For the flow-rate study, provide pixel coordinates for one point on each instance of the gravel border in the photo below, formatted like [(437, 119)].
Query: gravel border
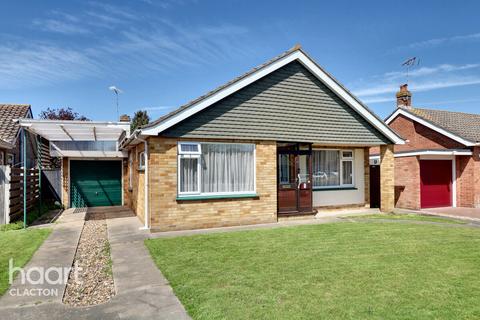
[(92, 258)]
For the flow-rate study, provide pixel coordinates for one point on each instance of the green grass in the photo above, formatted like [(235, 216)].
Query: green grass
[(19, 245), (409, 216), (349, 270), (32, 215), (108, 269)]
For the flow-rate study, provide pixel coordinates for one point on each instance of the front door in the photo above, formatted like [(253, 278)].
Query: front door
[(294, 179)]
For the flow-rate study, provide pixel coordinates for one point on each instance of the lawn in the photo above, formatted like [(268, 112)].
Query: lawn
[(408, 216), (19, 245), (347, 270)]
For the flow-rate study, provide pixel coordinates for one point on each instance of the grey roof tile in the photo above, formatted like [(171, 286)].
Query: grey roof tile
[(465, 125)]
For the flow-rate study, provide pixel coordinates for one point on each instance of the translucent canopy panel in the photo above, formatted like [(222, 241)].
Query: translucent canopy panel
[(58, 130)]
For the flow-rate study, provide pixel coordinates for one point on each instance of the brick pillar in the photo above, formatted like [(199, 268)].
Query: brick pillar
[(366, 166), (387, 178), (476, 177)]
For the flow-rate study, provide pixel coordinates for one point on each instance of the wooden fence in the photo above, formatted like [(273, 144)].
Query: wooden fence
[(12, 192)]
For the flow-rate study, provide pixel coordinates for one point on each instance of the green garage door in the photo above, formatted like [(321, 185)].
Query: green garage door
[(95, 183)]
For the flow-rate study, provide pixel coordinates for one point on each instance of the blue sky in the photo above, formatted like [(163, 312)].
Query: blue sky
[(164, 53)]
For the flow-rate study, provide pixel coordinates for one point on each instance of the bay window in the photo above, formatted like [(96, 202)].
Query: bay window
[(332, 168), (216, 168)]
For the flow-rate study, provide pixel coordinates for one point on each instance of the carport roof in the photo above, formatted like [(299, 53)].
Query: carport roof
[(73, 130)]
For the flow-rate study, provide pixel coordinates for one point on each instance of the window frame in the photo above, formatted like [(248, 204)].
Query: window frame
[(130, 171), (198, 155), (141, 160), (10, 160), (342, 159)]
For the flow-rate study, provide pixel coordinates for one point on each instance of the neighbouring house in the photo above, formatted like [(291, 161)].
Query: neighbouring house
[(283, 140), (439, 164), (10, 140)]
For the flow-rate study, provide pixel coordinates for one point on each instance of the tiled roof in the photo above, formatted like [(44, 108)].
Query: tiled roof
[(8, 113), (465, 125), (231, 82)]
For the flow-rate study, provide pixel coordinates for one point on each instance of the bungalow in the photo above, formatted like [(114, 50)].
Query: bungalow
[(439, 165), (283, 140)]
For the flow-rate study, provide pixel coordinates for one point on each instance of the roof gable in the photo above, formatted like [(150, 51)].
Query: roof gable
[(9, 113), (289, 104), (454, 125), (295, 54)]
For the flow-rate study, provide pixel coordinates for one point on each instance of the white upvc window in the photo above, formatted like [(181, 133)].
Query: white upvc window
[(130, 171), (141, 160), (216, 168), (333, 168)]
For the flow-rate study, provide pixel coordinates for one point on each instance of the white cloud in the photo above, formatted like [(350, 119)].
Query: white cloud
[(441, 41), (42, 63), (421, 79), (156, 46), (58, 26)]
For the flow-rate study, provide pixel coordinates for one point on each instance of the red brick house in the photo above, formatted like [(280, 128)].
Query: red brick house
[(439, 165)]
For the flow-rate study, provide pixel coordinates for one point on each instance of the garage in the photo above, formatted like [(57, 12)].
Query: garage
[(435, 183), (95, 183)]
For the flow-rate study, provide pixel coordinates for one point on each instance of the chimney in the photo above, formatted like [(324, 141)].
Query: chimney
[(124, 118), (404, 97)]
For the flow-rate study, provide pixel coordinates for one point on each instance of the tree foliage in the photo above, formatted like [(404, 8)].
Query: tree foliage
[(61, 114), (140, 118)]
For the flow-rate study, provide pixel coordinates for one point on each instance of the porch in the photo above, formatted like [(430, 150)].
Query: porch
[(313, 177)]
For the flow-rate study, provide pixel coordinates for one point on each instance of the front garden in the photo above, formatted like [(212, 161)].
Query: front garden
[(19, 245), (368, 269)]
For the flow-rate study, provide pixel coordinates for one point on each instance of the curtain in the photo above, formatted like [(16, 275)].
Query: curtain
[(188, 174), (326, 168), (227, 168), (347, 171)]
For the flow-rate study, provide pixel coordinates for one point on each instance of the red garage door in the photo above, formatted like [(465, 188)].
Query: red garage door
[(435, 183)]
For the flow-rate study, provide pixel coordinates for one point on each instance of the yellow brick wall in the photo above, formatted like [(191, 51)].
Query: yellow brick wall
[(387, 178), (134, 197), (169, 214)]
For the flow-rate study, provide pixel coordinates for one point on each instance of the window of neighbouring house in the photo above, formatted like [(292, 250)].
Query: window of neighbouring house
[(332, 168), (141, 161), (10, 159), (216, 168)]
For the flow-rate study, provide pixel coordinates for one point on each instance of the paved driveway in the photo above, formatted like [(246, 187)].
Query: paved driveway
[(142, 292), (465, 213)]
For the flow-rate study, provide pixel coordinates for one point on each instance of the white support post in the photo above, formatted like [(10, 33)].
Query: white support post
[(454, 181), (7, 194)]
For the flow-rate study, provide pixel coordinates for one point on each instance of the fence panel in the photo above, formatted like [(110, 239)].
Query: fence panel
[(17, 192)]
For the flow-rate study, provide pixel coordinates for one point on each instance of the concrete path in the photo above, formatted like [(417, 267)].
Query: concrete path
[(57, 251), (458, 212), (141, 290)]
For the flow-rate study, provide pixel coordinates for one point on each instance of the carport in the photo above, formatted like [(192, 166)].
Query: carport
[(91, 163)]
